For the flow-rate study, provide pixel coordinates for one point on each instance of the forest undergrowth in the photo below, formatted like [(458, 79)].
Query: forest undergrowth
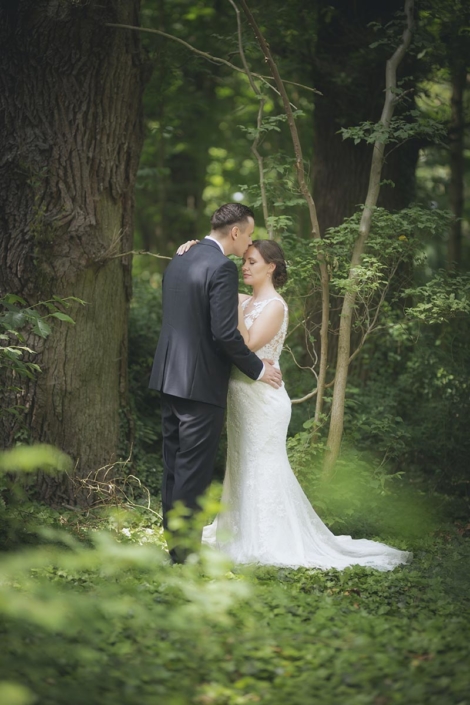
[(92, 612)]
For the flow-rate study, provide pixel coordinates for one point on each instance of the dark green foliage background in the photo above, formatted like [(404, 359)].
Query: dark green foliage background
[(144, 327), (91, 612)]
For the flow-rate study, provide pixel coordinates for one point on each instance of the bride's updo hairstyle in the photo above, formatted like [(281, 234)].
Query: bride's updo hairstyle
[(270, 251)]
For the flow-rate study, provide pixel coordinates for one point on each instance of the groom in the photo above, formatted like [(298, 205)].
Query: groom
[(199, 342)]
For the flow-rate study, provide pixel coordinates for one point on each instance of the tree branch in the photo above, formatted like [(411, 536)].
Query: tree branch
[(139, 252), (311, 394), (254, 146), (205, 55), (372, 325), (315, 228)]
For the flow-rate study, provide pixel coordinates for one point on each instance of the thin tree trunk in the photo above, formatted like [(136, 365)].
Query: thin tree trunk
[(344, 341), (341, 169), (457, 164), (259, 121), (315, 229), (341, 173), (71, 135)]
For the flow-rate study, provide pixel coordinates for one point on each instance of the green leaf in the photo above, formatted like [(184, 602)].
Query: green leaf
[(32, 314), (15, 694), (13, 299), (41, 328), (31, 458), (10, 353), (13, 319), (69, 298), (63, 317), (23, 347)]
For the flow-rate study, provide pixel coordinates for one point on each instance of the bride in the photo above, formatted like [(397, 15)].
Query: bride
[(268, 519)]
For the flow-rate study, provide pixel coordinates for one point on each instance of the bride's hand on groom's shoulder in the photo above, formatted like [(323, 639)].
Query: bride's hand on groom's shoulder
[(272, 375), (186, 246)]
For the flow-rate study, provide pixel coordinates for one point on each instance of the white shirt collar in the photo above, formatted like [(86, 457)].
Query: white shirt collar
[(209, 237)]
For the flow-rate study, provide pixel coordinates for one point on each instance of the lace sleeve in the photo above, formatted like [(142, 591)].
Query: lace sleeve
[(272, 350)]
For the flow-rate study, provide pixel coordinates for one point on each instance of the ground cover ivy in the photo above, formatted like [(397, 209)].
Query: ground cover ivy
[(92, 612)]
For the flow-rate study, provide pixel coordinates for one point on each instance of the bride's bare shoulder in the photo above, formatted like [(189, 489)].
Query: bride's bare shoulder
[(243, 297)]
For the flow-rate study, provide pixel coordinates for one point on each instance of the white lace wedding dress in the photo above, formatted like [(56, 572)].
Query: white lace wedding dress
[(269, 520)]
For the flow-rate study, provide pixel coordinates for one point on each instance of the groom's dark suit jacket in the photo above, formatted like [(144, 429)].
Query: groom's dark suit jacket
[(199, 339)]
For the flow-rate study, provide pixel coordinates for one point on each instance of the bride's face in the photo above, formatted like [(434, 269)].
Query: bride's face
[(255, 270)]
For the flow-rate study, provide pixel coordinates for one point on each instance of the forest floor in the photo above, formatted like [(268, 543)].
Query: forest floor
[(95, 614)]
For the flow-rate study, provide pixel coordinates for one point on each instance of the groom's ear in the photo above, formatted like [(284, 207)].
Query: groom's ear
[(234, 232)]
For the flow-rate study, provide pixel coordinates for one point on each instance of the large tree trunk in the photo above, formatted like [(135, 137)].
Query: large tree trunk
[(350, 77), (341, 169), (71, 136)]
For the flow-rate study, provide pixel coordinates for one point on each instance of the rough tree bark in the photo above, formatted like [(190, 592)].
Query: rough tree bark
[(71, 136), (351, 96), (344, 341), (350, 79)]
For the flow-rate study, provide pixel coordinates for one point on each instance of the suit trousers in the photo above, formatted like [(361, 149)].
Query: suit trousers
[(191, 434)]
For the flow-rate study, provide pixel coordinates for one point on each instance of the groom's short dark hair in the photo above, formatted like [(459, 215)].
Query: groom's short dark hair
[(230, 214)]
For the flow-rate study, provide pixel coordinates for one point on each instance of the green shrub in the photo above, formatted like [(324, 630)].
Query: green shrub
[(109, 620), (413, 408), (18, 321), (144, 329), (18, 517)]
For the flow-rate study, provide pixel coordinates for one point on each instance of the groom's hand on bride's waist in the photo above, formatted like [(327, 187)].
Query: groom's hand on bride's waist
[(272, 375)]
